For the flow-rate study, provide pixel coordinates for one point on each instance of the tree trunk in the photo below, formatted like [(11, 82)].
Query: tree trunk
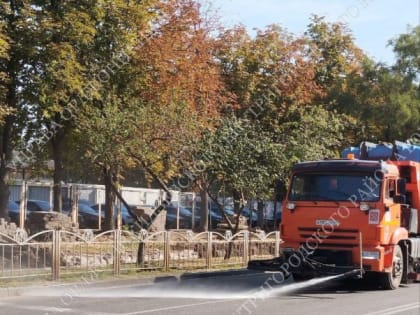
[(4, 170), (237, 200), (109, 223), (6, 140), (10, 85), (260, 213), (57, 147), (204, 211), (222, 209), (238, 207)]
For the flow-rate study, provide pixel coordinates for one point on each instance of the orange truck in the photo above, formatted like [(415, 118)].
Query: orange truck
[(353, 216)]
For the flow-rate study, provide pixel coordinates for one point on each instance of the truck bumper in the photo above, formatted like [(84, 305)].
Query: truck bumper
[(310, 269), (304, 268)]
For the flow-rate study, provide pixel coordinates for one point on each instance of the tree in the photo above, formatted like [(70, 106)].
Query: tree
[(4, 56), (161, 98), (243, 159), (281, 84), (277, 77), (267, 74), (312, 133), (370, 97), (375, 90), (64, 33), (4, 53), (177, 61), (182, 76), (75, 44), (106, 132), (333, 52), (357, 86), (16, 34), (109, 94), (406, 47)]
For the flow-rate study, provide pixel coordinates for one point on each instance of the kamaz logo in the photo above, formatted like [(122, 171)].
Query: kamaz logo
[(327, 222)]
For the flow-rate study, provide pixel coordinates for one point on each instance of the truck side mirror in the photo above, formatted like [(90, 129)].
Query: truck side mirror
[(401, 199), (280, 188), (401, 186)]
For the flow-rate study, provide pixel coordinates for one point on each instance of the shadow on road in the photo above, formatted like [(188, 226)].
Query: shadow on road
[(238, 281)]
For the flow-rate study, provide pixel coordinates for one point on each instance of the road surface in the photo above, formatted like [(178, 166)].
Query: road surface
[(215, 293)]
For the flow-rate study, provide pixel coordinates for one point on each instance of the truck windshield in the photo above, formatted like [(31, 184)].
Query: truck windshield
[(334, 187)]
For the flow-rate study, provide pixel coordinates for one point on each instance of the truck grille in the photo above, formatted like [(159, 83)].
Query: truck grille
[(333, 257), (311, 229), (350, 235)]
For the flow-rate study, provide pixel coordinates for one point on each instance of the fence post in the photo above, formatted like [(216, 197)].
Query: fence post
[(55, 263), (249, 245), (209, 249), (277, 249), (75, 204), (166, 249), (117, 251), (22, 205), (246, 243), (53, 249)]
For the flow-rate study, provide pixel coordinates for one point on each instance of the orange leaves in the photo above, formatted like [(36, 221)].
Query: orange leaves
[(273, 64), (177, 59)]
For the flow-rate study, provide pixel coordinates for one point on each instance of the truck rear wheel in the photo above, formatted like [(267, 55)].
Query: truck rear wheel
[(391, 280)]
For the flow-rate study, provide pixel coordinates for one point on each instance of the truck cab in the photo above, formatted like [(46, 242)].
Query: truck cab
[(352, 215)]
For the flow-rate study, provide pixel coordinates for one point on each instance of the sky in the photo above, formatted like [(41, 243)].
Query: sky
[(373, 22)]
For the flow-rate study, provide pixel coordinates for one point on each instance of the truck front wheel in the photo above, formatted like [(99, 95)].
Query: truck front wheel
[(391, 280)]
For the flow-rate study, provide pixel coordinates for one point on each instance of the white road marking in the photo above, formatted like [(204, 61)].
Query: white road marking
[(397, 309)]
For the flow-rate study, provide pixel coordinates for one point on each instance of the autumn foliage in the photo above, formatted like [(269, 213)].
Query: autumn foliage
[(177, 58), (187, 85)]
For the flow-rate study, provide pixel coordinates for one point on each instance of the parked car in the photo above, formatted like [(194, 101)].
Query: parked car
[(88, 217), (229, 211), (269, 220), (215, 214), (85, 202), (214, 218), (126, 218), (37, 205), (13, 210), (252, 221), (278, 216), (273, 221), (185, 217)]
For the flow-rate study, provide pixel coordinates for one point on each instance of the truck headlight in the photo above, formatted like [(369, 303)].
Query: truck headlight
[(370, 255), (291, 206)]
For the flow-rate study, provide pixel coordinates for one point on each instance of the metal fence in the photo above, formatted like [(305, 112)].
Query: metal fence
[(57, 253)]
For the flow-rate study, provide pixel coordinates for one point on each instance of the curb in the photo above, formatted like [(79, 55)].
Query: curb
[(224, 273)]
